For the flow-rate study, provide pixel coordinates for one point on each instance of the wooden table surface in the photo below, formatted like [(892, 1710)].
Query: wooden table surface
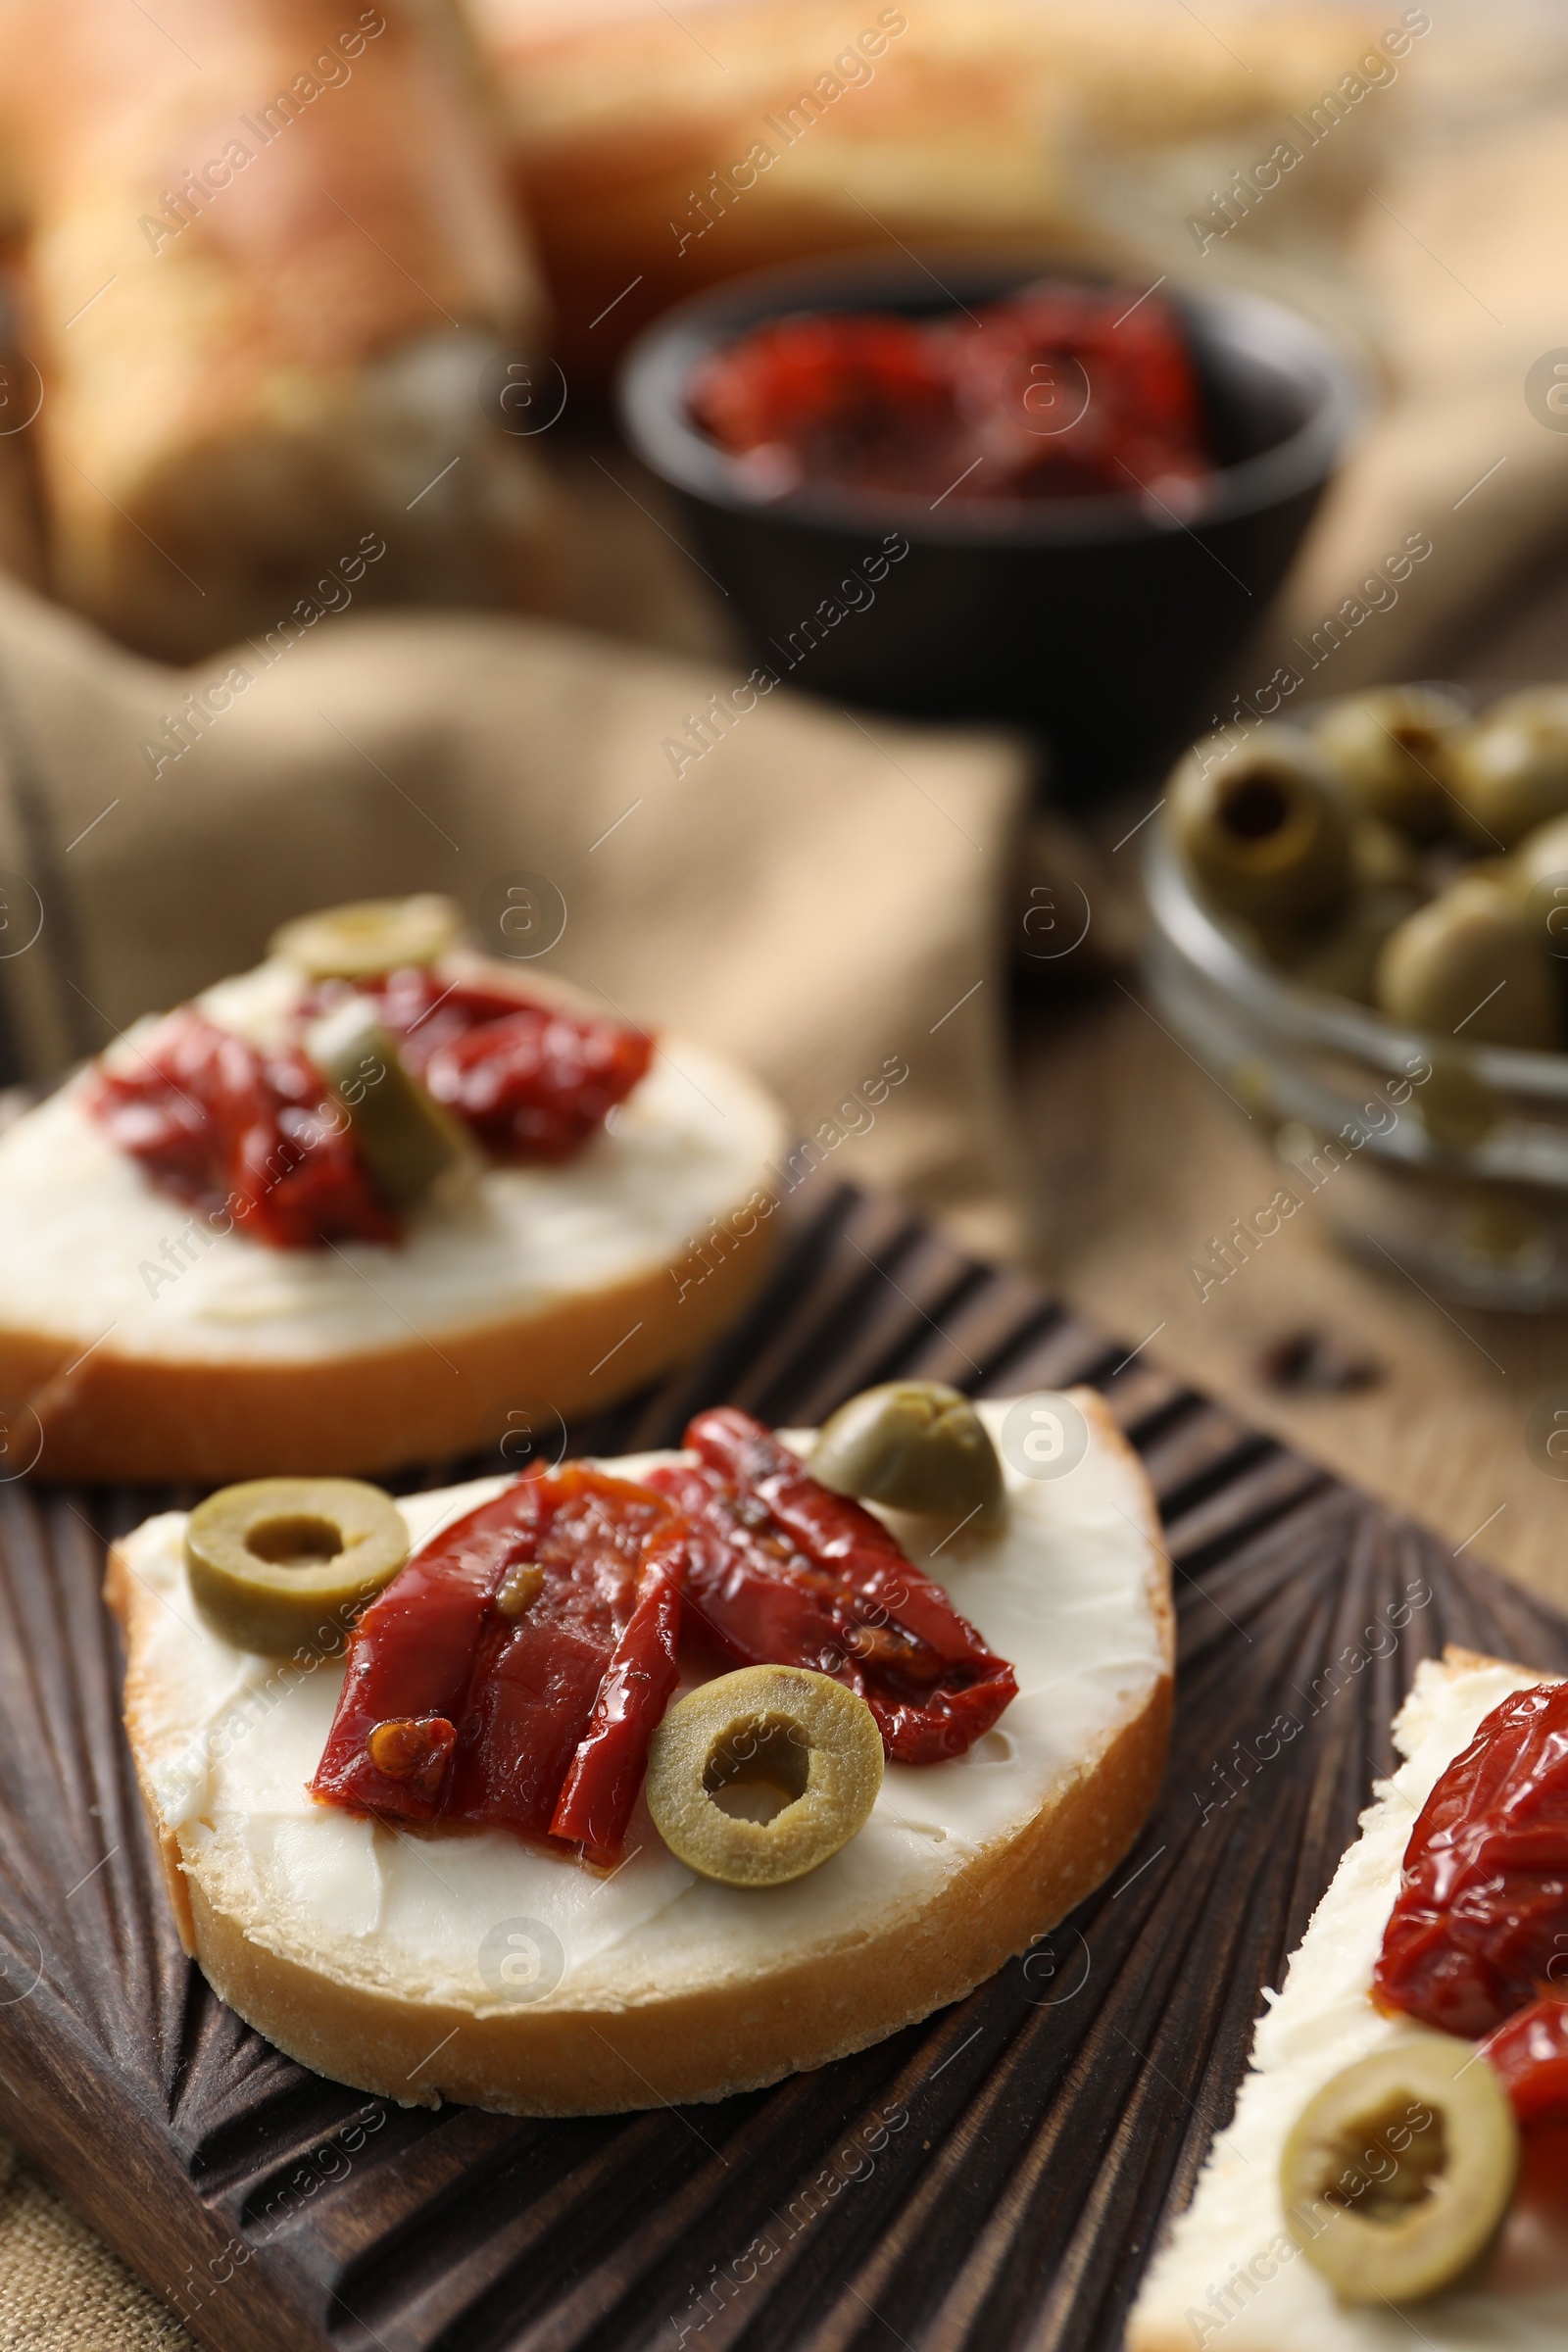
[(1138, 1157)]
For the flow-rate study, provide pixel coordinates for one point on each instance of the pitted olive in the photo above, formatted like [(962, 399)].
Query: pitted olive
[(917, 1445), (1390, 750), (1265, 829), (1510, 772), (1533, 705), (370, 936), (1469, 965), (406, 1140), (762, 1775), (1538, 871), (1542, 856), (1342, 961), (1397, 2174), (1381, 858), (282, 1564)]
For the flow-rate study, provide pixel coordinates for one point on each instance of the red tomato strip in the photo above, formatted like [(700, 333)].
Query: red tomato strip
[(1061, 391), (249, 1139), (792, 1575), (606, 1772), (552, 1707), (1530, 2051), (253, 1139), (1483, 1907), (531, 1080)]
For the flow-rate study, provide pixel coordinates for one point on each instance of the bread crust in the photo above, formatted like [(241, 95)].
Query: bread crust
[(260, 383), (608, 2053), (122, 1417)]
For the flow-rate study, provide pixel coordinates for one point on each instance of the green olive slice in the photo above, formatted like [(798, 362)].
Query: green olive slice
[(278, 1565), (1391, 751), (406, 1140), (917, 1445), (1265, 828), (764, 1775), (1398, 2173), (370, 936), (1470, 962)]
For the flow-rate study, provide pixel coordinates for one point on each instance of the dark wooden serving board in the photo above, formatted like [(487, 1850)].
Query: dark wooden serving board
[(991, 2180)]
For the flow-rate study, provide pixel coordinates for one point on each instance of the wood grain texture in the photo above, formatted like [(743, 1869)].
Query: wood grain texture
[(992, 2180)]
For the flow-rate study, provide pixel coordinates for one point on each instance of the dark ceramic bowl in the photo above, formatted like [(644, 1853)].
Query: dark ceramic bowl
[(1104, 623)]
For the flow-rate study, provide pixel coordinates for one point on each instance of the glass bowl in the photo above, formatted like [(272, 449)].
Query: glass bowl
[(1449, 1160)]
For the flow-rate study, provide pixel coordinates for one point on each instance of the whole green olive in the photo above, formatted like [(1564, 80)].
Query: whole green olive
[(1397, 2173), (1383, 858), (917, 1445), (1542, 855), (1469, 963), (1532, 704), (1390, 750), (1510, 771), (407, 1141), (1342, 961), (1265, 829)]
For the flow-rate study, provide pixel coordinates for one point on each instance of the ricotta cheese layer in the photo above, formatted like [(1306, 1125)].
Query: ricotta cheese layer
[(1073, 1592), (91, 1250), (1231, 2275)]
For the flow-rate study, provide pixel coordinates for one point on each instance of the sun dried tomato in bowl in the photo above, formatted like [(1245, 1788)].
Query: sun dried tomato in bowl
[(1061, 391)]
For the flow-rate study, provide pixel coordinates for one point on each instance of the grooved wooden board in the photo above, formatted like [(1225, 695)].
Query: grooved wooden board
[(992, 2179)]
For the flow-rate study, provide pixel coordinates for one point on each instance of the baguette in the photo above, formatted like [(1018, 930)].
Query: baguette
[(361, 1951), (657, 151), (137, 1341), (267, 254), (1230, 2274)]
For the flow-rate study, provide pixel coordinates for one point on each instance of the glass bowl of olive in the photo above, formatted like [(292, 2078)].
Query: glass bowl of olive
[(1360, 926)]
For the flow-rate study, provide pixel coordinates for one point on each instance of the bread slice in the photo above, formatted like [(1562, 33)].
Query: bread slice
[(1230, 2274), (137, 1342), (386, 1959)]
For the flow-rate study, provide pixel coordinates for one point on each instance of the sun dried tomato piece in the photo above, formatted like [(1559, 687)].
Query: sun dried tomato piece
[(254, 1139), (1530, 2051), (531, 1080), (1480, 1919), (1062, 390), (792, 1575), (554, 1702), (249, 1139)]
